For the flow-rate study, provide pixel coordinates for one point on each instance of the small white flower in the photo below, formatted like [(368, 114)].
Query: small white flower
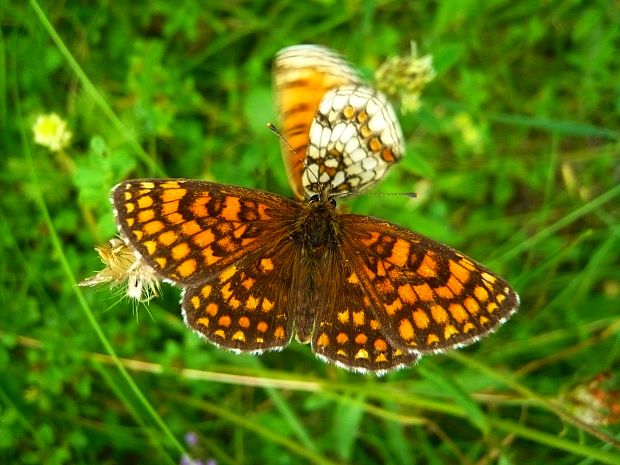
[(51, 131), (122, 266)]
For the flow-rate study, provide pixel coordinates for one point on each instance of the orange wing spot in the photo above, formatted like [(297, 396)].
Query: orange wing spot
[(180, 251), (471, 305), (151, 247), (458, 312), (238, 232), (195, 302), (128, 195), (262, 212), (400, 253), (167, 238), (428, 267), (175, 218), (239, 336), (147, 185), (161, 261), (489, 277), (209, 257), (361, 339), (380, 345), (444, 292), (405, 329), (232, 207), (262, 327), (212, 309), (220, 333), (348, 112), (187, 268), (227, 244), (449, 331), (153, 227), (190, 228), (392, 308), (381, 268), (224, 320), (375, 144), (362, 353), (244, 322), (432, 339), (353, 279), (342, 338), (204, 321), (251, 303), (145, 202), (457, 270), (343, 317), (388, 155), (468, 264), (366, 301), (228, 273), (359, 318), (384, 286), (266, 265), (139, 234), (204, 238), (146, 215), (130, 207), (170, 195), (481, 294), (225, 291), (501, 297), (406, 294), (206, 290), (421, 319), (483, 320), (267, 305), (424, 292), (369, 273), (439, 314), (341, 352), (491, 307), (455, 285), (374, 236), (279, 333), (234, 303), (362, 116), (322, 340), (142, 192), (199, 207), (130, 222), (168, 208), (374, 325), (248, 283), (467, 327), (170, 185), (247, 240)]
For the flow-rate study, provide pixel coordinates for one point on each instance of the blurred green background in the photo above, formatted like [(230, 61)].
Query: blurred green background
[(515, 157)]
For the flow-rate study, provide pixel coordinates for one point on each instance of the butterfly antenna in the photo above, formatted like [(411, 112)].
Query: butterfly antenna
[(277, 132)]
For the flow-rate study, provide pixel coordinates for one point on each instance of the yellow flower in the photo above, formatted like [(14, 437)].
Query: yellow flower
[(51, 131), (122, 265), (405, 77), (470, 134)]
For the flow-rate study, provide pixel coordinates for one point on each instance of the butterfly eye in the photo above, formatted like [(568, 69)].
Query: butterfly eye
[(332, 201), (314, 198)]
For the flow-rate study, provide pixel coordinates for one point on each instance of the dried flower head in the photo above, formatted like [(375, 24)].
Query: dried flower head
[(597, 400), (51, 131), (123, 265), (404, 78)]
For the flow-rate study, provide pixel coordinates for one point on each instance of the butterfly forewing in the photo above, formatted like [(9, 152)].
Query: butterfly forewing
[(189, 230), (427, 296)]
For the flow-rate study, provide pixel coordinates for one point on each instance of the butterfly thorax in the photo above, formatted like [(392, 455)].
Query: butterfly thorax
[(317, 230)]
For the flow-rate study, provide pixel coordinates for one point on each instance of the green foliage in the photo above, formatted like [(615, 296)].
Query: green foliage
[(514, 156)]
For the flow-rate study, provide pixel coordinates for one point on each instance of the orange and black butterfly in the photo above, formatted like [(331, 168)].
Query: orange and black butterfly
[(257, 268), (341, 132)]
